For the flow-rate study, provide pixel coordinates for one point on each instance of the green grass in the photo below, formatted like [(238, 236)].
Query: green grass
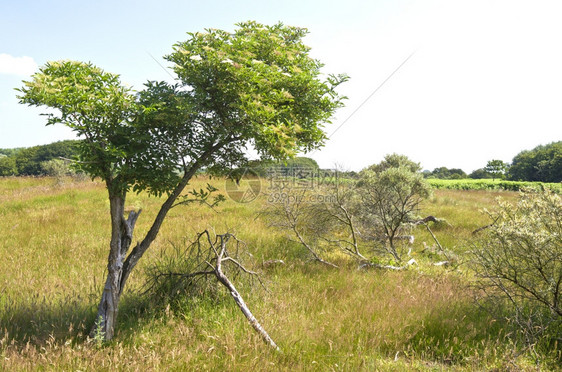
[(52, 264)]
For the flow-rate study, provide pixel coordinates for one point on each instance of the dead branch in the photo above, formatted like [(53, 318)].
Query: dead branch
[(270, 263), (442, 263), (370, 265), (425, 220), (485, 227), (222, 257), (293, 216), (437, 241), (409, 238), (307, 246), (211, 254)]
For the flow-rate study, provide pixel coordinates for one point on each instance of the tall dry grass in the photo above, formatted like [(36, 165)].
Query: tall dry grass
[(53, 256)]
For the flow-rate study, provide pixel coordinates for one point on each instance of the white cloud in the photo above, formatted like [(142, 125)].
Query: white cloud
[(22, 66)]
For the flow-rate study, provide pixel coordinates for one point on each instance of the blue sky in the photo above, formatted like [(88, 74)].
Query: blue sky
[(484, 80)]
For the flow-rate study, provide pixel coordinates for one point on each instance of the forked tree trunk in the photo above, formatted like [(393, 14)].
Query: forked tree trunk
[(120, 265), (121, 237)]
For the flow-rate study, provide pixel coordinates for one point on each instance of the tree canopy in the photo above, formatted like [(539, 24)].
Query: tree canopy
[(543, 163), (254, 87), (480, 173), (391, 161), (260, 84), (496, 168)]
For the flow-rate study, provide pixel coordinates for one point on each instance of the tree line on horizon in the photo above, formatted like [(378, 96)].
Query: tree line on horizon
[(37, 160), (541, 164)]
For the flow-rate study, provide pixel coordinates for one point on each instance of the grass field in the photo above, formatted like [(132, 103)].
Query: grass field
[(54, 252)]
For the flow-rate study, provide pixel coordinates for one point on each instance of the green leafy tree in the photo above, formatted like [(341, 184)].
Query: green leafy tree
[(395, 161), (496, 168), (25, 163), (390, 192), (543, 163), (302, 162), (10, 152), (59, 169), (457, 174), (255, 87)]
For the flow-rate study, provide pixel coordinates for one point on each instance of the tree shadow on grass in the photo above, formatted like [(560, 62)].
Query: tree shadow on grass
[(138, 309), (37, 321), (467, 334)]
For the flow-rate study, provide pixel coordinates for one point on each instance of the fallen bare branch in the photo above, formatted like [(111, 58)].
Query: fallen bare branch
[(425, 220), (208, 255), (484, 227), (270, 263)]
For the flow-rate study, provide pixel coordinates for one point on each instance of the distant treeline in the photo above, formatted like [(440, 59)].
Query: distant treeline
[(36, 160), (541, 164), (262, 167)]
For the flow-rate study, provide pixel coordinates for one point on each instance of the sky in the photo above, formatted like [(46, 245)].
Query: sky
[(449, 83)]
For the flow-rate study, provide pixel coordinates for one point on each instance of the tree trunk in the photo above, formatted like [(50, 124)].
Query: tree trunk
[(121, 237), (119, 265)]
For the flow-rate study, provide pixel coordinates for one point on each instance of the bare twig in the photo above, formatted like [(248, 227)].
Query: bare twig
[(211, 254), (437, 241), (484, 227)]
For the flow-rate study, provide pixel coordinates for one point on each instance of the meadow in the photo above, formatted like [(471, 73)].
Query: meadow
[(53, 255)]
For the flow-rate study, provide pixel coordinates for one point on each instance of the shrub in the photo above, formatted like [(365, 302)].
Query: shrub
[(56, 168), (518, 263), (391, 193)]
